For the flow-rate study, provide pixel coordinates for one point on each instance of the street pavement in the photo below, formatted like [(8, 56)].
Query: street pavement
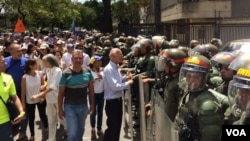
[(40, 136)]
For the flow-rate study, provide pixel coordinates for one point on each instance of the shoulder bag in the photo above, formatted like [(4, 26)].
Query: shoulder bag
[(11, 107)]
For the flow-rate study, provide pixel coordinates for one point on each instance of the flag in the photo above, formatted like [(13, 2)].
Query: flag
[(19, 27), (73, 26)]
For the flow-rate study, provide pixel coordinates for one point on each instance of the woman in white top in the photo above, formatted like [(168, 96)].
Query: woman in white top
[(53, 75), (32, 84), (97, 72)]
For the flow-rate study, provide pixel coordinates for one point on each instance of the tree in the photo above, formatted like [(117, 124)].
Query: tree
[(107, 17), (98, 8), (125, 12), (87, 16), (42, 13)]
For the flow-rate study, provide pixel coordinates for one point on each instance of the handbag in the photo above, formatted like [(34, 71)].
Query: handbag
[(11, 107)]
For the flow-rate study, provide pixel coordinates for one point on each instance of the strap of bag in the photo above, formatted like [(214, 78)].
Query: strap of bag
[(2, 100)]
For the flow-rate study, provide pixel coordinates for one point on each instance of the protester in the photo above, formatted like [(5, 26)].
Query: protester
[(32, 83), (114, 85), (66, 58), (58, 55), (97, 72), (75, 84), (15, 66), (7, 89), (53, 74)]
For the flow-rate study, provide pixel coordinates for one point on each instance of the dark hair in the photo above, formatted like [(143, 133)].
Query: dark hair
[(58, 52), (7, 43), (30, 46), (91, 66), (30, 62)]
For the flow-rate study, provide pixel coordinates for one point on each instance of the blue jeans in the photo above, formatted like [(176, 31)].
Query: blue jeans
[(99, 102), (6, 132), (75, 116)]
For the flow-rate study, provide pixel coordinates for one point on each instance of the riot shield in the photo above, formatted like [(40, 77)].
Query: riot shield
[(163, 129), (128, 120)]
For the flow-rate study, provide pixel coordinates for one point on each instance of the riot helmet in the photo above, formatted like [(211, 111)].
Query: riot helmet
[(207, 50), (129, 40), (194, 43), (239, 92), (164, 44), (239, 61), (136, 49), (174, 43), (146, 45), (194, 73), (107, 42), (185, 49), (222, 59), (173, 58), (157, 40), (217, 42)]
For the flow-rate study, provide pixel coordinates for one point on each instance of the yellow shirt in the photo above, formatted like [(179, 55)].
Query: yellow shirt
[(7, 88)]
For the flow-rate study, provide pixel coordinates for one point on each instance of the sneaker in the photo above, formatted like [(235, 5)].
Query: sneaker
[(32, 138), (93, 134), (100, 133), (21, 136)]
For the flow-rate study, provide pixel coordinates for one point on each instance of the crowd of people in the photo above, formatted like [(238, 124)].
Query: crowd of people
[(67, 76)]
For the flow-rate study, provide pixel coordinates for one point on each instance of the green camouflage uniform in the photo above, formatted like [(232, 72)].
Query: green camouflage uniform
[(200, 117)]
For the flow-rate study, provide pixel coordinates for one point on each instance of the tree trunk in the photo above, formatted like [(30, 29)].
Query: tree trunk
[(106, 26)]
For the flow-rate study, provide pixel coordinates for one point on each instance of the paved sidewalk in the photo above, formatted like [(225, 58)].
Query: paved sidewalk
[(40, 136)]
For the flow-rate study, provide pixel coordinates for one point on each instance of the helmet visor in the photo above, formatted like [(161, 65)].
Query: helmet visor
[(192, 78), (239, 95), (161, 64)]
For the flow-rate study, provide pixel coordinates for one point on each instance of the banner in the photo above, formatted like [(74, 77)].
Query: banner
[(19, 27)]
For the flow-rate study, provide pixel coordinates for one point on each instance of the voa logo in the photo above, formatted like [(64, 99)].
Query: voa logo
[(236, 132)]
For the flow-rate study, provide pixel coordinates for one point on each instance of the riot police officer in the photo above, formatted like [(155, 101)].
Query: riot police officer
[(239, 96), (170, 62), (222, 60), (217, 42), (126, 47), (158, 41), (145, 67), (107, 46), (199, 115), (146, 62), (209, 50)]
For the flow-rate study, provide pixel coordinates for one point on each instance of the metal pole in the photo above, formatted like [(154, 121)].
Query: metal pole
[(130, 113), (142, 111)]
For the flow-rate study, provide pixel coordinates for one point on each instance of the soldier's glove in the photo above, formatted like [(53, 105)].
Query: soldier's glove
[(184, 131), (159, 88), (237, 112)]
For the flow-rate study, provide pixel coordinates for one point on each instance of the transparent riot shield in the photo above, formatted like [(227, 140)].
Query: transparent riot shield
[(163, 129), (150, 119), (142, 110), (128, 120)]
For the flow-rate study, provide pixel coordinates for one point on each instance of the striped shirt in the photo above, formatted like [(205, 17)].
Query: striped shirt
[(76, 84)]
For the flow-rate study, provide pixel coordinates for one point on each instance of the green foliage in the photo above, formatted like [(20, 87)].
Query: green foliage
[(87, 17), (41, 14), (125, 12), (98, 8)]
